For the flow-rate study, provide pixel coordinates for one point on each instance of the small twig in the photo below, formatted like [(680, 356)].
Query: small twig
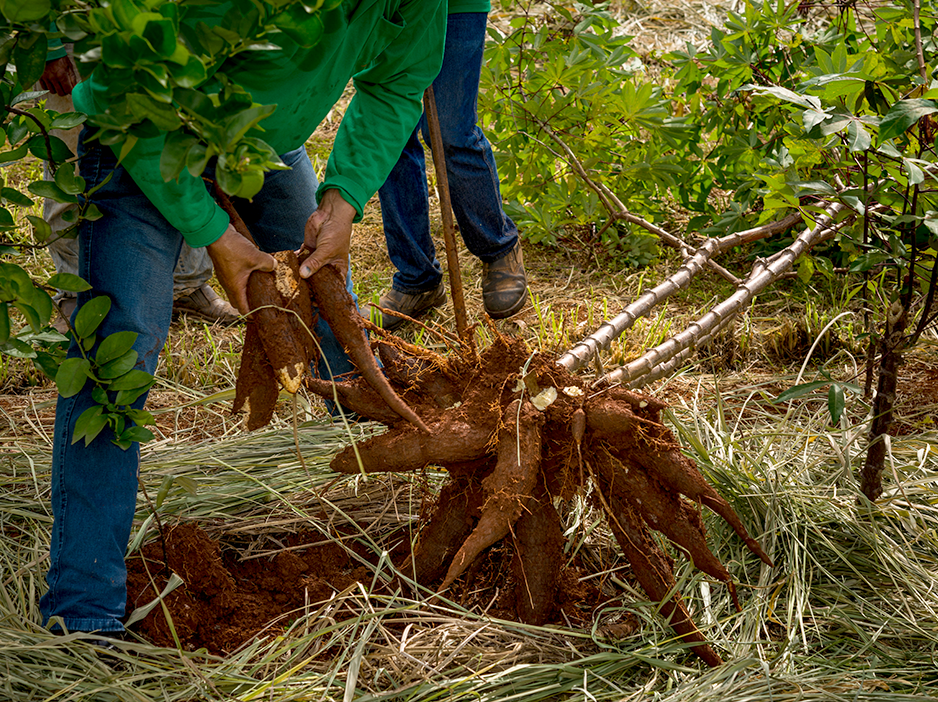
[(53, 166), (372, 327)]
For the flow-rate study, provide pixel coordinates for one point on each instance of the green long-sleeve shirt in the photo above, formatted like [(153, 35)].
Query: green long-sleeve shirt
[(392, 48)]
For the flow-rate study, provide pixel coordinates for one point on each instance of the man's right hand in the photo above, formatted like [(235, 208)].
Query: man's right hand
[(235, 258)]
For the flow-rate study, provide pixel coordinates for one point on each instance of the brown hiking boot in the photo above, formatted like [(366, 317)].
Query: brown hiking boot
[(411, 304), (504, 285), (206, 304)]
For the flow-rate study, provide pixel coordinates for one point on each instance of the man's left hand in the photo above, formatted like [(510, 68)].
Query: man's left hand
[(235, 258)]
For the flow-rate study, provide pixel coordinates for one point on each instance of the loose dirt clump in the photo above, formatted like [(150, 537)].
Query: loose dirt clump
[(515, 431), (227, 599)]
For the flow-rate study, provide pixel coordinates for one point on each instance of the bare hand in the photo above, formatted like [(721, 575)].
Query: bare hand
[(235, 258), (59, 76), (328, 234)]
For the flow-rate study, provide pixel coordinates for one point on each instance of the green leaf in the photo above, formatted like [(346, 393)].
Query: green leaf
[(40, 149), (17, 349), (32, 316), (190, 485), (858, 139), (162, 115), (228, 181), (6, 219), (303, 28), (132, 380), (114, 346), (134, 435), (128, 397), (903, 115), (30, 58), (41, 228), (161, 494), (197, 159), (67, 178), (159, 33), (25, 11), (805, 269), (15, 197), (47, 363), (15, 283), (916, 176), (69, 120), (14, 155), (68, 282), (119, 366), (191, 74), (91, 314), (46, 188), (89, 424), (238, 125), (71, 376), (800, 390), (836, 401), (865, 262), (175, 152)]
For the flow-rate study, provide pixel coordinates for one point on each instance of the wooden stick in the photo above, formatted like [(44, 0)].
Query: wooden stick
[(446, 211)]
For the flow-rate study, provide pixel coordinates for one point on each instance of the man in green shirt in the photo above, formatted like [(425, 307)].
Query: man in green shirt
[(393, 50)]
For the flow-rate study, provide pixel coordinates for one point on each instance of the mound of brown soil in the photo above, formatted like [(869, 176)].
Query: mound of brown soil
[(228, 599)]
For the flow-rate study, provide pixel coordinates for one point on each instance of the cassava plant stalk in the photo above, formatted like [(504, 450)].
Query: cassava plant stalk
[(589, 347), (762, 275)]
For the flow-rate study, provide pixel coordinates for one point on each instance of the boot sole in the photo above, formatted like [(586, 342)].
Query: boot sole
[(511, 311)]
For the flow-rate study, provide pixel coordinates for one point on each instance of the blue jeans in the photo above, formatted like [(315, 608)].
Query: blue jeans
[(473, 180), (129, 255)]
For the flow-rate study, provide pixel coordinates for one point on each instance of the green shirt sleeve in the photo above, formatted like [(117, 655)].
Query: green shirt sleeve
[(387, 103), (458, 6), (185, 202)]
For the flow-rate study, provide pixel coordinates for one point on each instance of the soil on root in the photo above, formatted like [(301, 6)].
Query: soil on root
[(227, 599)]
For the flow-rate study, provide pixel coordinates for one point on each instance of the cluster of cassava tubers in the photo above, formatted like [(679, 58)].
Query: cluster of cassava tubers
[(513, 429)]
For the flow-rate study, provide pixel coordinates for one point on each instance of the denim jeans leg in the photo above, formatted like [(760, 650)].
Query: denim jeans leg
[(128, 255), (405, 209), (470, 165), (193, 270), (276, 219)]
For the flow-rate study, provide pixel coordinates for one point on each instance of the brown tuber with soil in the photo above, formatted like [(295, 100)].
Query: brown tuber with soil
[(514, 430)]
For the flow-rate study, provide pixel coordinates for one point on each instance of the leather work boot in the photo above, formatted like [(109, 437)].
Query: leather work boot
[(206, 304), (411, 304), (504, 285)]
